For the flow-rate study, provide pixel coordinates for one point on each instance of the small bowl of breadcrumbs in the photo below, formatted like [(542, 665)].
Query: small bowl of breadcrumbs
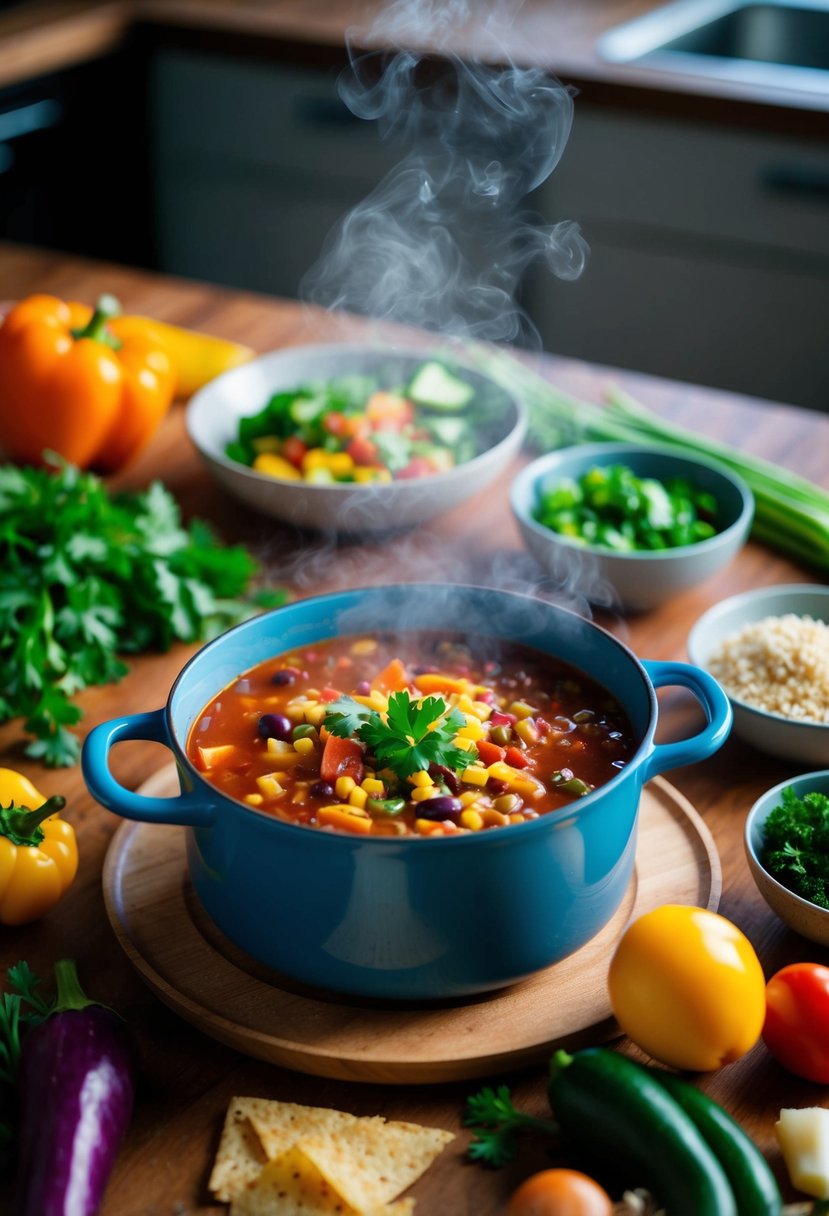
[(769, 649)]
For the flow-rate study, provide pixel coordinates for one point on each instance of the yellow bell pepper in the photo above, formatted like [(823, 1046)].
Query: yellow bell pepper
[(38, 850), (196, 357)]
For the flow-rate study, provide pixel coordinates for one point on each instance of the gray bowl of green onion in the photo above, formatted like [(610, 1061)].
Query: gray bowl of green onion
[(630, 525)]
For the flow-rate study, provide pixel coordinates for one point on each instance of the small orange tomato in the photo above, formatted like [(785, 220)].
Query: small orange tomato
[(560, 1193)]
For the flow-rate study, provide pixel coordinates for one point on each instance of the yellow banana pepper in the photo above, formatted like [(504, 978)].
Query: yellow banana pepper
[(196, 357), (38, 850)]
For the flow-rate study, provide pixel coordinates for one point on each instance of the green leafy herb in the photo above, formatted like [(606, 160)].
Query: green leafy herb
[(412, 735), (9, 1036), (25, 983), (795, 847), (346, 717), (21, 1007), (85, 577), (498, 1121)]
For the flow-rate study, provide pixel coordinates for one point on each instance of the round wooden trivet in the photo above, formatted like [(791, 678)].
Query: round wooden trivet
[(195, 970)]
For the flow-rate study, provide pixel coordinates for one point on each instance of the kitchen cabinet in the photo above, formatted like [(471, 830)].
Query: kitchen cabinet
[(709, 254), (253, 164), (710, 244), (73, 170)]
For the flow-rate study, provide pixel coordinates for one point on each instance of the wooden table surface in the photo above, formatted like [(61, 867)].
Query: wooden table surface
[(186, 1078)]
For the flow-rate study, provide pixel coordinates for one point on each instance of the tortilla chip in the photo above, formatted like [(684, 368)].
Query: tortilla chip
[(240, 1155), (371, 1161), (279, 1158), (292, 1184), (279, 1125)]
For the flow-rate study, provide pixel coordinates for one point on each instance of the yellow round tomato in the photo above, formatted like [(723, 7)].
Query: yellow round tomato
[(686, 985), (560, 1193)]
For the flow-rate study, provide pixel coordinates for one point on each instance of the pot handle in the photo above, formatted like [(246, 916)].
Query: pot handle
[(187, 809), (717, 709)]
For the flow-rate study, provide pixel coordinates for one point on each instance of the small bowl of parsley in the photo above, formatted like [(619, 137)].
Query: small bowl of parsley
[(787, 846), (630, 525)]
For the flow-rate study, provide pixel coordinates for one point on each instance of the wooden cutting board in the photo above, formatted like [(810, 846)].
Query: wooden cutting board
[(208, 981)]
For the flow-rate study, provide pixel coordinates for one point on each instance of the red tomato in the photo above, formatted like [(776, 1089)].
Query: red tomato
[(293, 449), (796, 1029), (335, 423), (418, 466), (362, 451), (560, 1193)]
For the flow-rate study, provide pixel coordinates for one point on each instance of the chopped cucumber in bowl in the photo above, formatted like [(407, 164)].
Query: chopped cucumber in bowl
[(630, 525)]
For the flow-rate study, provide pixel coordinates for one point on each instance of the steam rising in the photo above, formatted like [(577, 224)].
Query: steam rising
[(443, 241)]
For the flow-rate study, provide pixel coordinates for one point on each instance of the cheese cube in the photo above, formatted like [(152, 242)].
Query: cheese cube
[(804, 1140)]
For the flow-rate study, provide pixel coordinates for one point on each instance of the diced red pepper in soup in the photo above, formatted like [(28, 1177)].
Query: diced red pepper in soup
[(341, 758), (419, 733)]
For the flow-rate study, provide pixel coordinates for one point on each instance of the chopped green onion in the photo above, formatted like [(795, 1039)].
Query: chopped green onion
[(791, 513)]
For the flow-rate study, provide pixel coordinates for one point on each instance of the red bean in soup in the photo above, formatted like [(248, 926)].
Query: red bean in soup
[(415, 734)]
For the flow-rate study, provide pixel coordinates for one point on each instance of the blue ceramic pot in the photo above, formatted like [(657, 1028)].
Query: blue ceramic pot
[(404, 917)]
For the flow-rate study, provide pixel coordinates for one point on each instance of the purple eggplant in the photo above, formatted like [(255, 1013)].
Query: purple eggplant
[(76, 1083)]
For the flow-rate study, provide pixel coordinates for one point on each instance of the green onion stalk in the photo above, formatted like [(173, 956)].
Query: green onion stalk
[(791, 513)]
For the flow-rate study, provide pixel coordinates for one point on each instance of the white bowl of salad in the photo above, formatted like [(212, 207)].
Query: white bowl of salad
[(355, 438)]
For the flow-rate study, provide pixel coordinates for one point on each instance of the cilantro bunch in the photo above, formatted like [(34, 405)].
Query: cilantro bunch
[(85, 577), (412, 735)]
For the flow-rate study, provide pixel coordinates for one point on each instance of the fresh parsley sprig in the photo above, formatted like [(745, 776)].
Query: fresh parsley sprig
[(412, 735), (87, 576), (497, 1122)]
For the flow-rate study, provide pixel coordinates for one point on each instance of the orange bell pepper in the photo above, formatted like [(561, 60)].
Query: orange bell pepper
[(38, 850), (67, 385)]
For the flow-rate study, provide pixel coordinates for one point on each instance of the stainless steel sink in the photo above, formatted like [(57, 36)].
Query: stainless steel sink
[(778, 43)]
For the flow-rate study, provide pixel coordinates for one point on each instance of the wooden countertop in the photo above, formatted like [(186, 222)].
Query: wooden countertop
[(41, 36), (187, 1078)]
